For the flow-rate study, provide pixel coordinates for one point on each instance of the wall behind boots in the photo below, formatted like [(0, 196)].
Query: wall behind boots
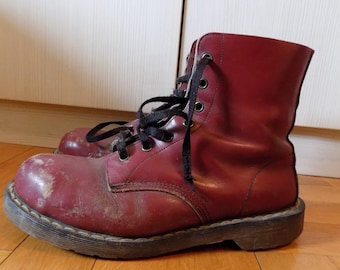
[(99, 54), (66, 64)]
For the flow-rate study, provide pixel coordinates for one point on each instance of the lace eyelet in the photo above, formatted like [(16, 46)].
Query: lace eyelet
[(147, 147), (192, 123), (168, 137), (207, 55), (203, 83), (124, 159), (199, 106)]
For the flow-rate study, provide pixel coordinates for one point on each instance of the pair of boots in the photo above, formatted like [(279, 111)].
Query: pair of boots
[(212, 163)]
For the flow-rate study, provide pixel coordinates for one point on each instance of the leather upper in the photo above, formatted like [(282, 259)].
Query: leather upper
[(242, 161)]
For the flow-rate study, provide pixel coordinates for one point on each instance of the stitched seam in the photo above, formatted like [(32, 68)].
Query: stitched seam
[(254, 180), (103, 237), (151, 156), (178, 191)]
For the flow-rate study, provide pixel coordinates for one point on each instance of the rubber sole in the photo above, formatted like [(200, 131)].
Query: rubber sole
[(251, 233)]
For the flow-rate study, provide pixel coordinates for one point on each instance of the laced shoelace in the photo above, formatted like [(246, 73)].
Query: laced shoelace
[(150, 125)]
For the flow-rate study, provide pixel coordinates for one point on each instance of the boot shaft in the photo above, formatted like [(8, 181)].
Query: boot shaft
[(240, 138), (253, 85)]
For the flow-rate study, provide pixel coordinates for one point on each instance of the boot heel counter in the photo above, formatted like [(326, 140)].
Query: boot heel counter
[(274, 187)]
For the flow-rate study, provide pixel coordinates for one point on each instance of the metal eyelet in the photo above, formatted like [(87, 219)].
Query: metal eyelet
[(199, 106), (207, 55), (192, 123), (123, 159), (149, 148), (203, 83), (146, 149), (169, 137)]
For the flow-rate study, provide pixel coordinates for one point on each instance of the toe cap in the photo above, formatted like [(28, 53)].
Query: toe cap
[(75, 143)]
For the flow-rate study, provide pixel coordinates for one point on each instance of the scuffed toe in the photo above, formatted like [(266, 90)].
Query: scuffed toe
[(74, 143)]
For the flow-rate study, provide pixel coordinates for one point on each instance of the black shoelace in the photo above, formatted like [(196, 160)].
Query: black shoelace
[(150, 125)]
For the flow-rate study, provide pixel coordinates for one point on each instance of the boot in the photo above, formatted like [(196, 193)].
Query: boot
[(96, 142), (213, 165)]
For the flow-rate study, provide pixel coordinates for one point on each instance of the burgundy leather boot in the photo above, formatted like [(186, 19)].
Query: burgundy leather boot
[(211, 165)]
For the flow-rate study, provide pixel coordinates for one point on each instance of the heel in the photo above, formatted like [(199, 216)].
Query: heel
[(274, 230)]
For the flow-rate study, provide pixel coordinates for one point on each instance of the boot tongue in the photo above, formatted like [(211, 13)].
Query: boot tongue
[(194, 66)]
